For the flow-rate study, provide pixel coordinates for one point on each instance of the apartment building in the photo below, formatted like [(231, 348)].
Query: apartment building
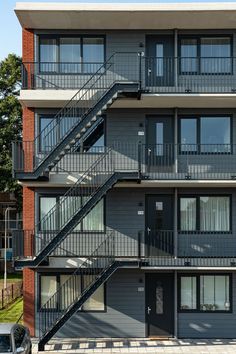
[(128, 168)]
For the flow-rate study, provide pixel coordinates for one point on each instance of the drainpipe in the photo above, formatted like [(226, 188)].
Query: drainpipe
[(175, 306), (176, 140), (175, 223), (175, 57)]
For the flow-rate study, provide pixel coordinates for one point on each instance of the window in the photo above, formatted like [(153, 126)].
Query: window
[(189, 62), (205, 134), (214, 293), (188, 214), (188, 127), (214, 213), (206, 55), (48, 286), (205, 293), (159, 59), (205, 213), (75, 54), (51, 130), (215, 134), (72, 286), (5, 343), (94, 221), (188, 295), (159, 139)]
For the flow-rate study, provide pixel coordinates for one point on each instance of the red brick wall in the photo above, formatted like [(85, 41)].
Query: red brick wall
[(28, 194), (28, 274), (28, 137)]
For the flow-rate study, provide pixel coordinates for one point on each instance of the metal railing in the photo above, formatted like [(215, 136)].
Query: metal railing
[(120, 67), (70, 291), (9, 294), (161, 75), (160, 162)]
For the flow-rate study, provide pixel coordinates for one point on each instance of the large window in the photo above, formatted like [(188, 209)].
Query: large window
[(94, 221), (205, 134), (205, 213), (205, 293), (50, 285), (71, 54), (206, 55)]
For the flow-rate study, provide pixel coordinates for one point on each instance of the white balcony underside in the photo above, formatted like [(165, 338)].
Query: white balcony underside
[(58, 98), (126, 16)]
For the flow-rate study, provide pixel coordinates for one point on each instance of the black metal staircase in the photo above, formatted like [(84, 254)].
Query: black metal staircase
[(96, 270), (34, 159), (68, 212)]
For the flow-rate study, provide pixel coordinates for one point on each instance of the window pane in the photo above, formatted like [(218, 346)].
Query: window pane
[(93, 54), (159, 59), (96, 301), (214, 293), (48, 54), (48, 288), (68, 206), (189, 55), (188, 134), (159, 298), (5, 343), (70, 52), (215, 134), (214, 213), (188, 294), (47, 133), (70, 290), (46, 204), (188, 214), (219, 49), (94, 221), (159, 139)]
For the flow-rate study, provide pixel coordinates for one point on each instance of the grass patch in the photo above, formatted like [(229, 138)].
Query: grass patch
[(13, 312)]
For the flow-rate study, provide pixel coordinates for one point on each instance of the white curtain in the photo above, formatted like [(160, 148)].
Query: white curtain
[(214, 213), (188, 214)]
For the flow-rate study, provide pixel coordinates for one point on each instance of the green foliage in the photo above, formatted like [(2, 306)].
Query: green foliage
[(10, 119)]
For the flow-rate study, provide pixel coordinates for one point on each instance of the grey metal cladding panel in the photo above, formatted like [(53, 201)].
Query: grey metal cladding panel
[(125, 313), (207, 325)]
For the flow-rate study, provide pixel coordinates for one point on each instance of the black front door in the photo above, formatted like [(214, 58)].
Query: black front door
[(160, 61), (160, 304), (160, 147), (159, 225)]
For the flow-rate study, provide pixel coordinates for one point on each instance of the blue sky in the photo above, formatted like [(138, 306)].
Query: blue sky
[(10, 34)]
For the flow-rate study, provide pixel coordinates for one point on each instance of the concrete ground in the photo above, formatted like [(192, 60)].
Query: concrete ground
[(139, 346)]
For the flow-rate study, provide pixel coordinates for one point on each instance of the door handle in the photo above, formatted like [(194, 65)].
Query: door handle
[(149, 310), (149, 151), (149, 72), (148, 230)]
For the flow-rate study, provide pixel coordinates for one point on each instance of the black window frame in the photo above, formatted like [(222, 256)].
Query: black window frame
[(198, 212), (57, 37), (58, 196), (198, 38), (198, 309), (198, 151), (57, 308)]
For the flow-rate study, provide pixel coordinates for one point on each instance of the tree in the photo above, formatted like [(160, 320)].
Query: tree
[(10, 119)]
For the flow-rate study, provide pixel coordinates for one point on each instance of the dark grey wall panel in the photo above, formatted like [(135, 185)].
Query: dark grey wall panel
[(207, 325)]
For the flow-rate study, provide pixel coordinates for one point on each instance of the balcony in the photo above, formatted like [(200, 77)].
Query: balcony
[(153, 162), (157, 248), (168, 75)]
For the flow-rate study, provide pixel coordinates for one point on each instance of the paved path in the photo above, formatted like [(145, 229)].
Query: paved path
[(139, 346)]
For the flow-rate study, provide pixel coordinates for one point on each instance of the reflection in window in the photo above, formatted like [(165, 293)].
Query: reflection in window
[(215, 134), (188, 133), (215, 55), (189, 62), (48, 289), (70, 55), (159, 139), (46, 204), (48, 54), (159, 299), (214, 293), (214, 213), (93, 53), (188, 214), (188, 293), (159, 59)]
